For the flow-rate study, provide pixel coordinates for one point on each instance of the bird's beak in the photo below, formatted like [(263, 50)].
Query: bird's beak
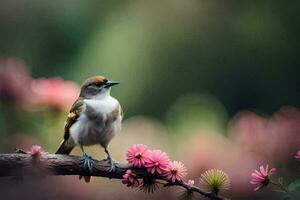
[(110, 83)]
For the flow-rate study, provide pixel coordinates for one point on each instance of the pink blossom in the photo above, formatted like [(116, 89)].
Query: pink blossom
[(137, 155), (175, 171), (15, 81), (157, 161), (35, 150), (297, 156), (55, 92), (261, 178), (190, 183), (130, 180)]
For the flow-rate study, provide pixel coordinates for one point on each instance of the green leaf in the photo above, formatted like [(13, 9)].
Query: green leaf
[(280, 180), (187, 195), (295, 185)]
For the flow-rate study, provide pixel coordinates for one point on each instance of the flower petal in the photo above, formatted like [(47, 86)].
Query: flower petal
[(272, 171), (262, 170)]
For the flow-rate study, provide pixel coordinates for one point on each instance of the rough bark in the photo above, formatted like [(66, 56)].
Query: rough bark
[(25, 164)]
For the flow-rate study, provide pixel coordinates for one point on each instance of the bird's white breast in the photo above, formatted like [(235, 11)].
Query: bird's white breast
[(87, 131), (102, 106)]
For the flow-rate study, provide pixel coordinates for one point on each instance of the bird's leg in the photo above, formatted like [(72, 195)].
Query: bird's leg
[(112, 163), (87, 160)]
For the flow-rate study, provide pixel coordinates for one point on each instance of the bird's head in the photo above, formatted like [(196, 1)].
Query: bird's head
[(96, 87)]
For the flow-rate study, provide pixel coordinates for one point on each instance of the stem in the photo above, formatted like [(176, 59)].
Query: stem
[(282, 187)]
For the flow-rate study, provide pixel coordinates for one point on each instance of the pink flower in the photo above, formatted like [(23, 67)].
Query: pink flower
[(35, 150), (55, 92), (190, 183), (297, 156), (14, 81), (137, 155), (130, 180), (175, 171), (157, 161), (261, 178)]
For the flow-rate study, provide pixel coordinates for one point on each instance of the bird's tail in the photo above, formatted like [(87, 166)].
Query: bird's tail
[(64, 148)]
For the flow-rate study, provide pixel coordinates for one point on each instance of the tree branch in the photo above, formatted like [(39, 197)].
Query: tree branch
[(25, 164)]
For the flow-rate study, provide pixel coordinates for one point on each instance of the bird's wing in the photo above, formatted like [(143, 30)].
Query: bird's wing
[(73, 116)]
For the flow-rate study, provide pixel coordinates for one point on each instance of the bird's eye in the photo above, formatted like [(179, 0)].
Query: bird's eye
[(98, 84)]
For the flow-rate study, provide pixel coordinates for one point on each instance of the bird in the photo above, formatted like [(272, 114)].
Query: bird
[(94, 118)]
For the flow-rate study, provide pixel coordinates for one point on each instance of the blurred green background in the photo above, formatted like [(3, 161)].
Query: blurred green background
[(186, 69), (245, 53)]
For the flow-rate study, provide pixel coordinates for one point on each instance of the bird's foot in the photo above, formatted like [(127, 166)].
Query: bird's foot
[(87, 162), (113, 164), (86, 179)]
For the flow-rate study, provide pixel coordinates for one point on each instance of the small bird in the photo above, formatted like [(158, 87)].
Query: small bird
[(94, 118)]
